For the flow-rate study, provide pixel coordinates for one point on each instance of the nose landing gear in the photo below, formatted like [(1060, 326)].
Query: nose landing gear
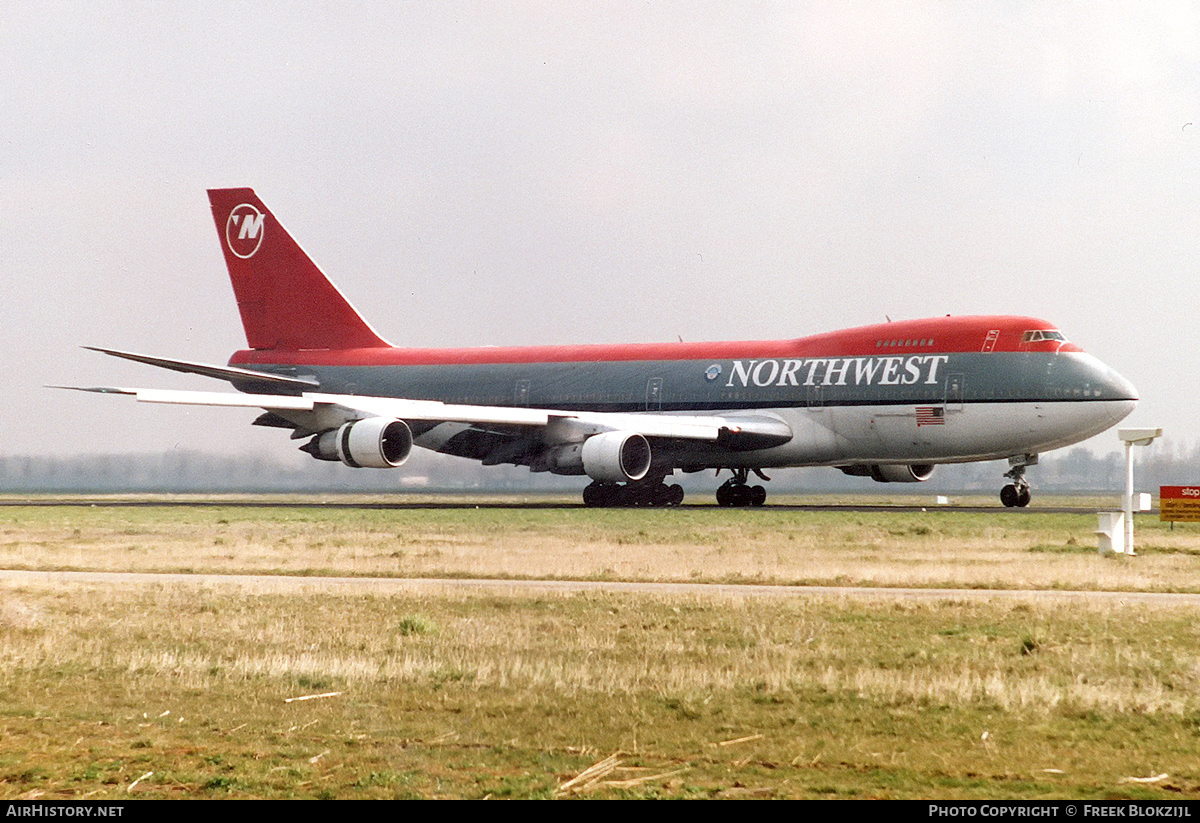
[(1017, 494)]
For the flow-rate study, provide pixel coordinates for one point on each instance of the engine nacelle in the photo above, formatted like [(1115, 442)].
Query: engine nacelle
[(903, 473), (374, 443), (616, 456)]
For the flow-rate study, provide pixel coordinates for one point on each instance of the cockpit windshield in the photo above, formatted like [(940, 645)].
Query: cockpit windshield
[(1040, 335)]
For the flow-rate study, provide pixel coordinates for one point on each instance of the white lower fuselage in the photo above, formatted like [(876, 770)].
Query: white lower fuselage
[(850, 435)]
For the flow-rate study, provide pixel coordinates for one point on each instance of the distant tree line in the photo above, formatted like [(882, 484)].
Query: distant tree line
[(1076, 470)]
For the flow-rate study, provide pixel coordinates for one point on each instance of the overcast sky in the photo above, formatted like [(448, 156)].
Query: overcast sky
[(539, 173)]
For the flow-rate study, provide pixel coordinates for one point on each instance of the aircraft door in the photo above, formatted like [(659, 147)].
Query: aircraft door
[(654, 394), (954, 391), (521, 393), (816, 398)]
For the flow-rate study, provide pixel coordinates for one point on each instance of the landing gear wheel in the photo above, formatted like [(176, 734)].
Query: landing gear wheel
[(735, 491), (599, 495), (1017, 494), (612, 495), (726, 494)]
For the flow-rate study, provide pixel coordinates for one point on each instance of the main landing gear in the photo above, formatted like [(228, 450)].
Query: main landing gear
[(736, 492), (1017, 494), (643, 493)]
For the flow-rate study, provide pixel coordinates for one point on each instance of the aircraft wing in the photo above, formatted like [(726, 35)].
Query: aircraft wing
[(319, 412), (499, 432)]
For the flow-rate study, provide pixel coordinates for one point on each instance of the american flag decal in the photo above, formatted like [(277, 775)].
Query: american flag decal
[(931, 415)]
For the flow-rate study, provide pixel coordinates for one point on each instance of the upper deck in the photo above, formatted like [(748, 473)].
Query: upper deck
[(933, 335)]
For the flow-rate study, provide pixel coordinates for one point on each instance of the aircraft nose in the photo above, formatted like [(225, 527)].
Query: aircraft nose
[(1080, 376), (1108, 384), (1121, 393), (1119, 387)]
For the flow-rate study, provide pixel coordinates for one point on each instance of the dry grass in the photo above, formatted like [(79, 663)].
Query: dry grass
[(468, 693), (1028, 658), (930, 549)]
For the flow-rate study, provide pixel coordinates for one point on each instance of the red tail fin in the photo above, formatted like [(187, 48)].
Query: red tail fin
[(286, 302)]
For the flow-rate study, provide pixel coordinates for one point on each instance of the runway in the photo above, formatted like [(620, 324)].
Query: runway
[(284, 584), (491, 502)]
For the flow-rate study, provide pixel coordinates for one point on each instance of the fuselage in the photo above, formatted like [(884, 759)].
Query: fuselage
[(949, 389)]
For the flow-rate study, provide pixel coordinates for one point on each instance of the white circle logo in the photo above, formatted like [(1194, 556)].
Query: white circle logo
[(244, 230), (712, 372)]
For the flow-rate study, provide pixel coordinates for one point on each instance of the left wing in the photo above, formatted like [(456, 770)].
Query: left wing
[(328, 411), (379, 432)]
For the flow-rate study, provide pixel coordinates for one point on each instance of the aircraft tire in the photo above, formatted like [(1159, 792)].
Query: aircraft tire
[(1023, 497), (1009, 496), (629, 495), (739, 494), (726, 495), (664, 495), (599, 495)]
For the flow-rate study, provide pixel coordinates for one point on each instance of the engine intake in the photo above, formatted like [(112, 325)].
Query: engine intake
[(892, 472), (374, 443)]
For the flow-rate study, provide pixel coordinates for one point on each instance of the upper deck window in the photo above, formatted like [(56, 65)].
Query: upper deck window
[(883, 344), (1041, 335)]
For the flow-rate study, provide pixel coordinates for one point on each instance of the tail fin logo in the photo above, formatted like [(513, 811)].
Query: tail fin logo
[(244, 230)]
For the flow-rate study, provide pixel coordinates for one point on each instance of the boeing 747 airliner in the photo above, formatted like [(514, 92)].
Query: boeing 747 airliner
[(888, 401)]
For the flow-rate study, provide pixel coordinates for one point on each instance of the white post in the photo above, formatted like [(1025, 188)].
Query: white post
[(1131, 438), (1129, 498)]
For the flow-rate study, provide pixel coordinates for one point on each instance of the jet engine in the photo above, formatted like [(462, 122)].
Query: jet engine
[(892, 473), (615, 457), (901, 473), (373, 443)]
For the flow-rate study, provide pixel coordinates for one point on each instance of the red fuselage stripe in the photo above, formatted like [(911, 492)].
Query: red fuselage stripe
[(942, 335)]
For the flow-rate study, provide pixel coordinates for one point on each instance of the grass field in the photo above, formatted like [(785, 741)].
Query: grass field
[(1004, 549), (180, 690)]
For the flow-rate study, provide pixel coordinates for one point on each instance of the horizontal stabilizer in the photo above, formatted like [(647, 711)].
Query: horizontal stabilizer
[(97, 389), (231, 373)]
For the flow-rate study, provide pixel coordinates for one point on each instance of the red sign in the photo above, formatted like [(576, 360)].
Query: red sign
[(1179, 503)]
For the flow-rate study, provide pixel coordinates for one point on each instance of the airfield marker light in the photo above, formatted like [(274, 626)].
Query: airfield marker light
[(1131, 438)]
